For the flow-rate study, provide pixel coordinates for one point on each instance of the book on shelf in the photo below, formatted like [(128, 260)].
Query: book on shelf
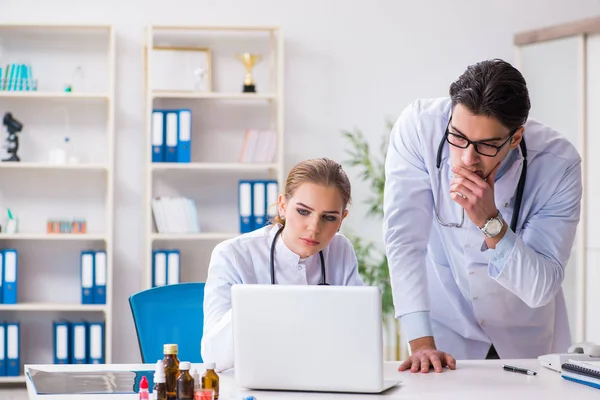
[(175, 215), (259, 146)]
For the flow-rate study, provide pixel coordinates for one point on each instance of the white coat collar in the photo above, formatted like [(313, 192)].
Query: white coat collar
[(281, 250)]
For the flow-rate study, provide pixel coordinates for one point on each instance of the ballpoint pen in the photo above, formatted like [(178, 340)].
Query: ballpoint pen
[(519, 370)]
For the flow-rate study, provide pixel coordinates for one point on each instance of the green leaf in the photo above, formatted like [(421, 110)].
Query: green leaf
[(372, 265)]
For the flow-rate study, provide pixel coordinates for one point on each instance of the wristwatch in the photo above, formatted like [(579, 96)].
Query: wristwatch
[(493, 226)]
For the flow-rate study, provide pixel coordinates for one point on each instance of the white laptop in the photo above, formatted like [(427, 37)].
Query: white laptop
[(308, 338)]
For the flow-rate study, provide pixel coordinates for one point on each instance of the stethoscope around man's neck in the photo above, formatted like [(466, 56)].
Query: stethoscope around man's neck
[(272, 261), (520, 185)]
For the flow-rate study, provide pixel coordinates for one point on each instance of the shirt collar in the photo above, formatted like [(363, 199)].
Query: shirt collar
[(508, 161), (281, 250)]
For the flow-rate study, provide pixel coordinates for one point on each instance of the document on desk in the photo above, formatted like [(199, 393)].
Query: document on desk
[(89, 382), (583, 372)]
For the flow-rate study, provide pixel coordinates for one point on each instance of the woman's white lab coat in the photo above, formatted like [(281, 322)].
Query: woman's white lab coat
[(245, 260)]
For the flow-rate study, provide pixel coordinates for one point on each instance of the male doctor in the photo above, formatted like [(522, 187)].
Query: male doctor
[(458, 174)]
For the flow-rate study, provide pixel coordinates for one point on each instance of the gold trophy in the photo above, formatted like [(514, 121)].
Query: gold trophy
[(249, 61)]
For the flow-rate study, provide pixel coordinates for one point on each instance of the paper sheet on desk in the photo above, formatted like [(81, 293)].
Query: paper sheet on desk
[(90, 382)]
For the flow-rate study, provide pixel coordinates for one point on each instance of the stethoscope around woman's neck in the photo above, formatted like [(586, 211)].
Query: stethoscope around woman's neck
[(272, 261)]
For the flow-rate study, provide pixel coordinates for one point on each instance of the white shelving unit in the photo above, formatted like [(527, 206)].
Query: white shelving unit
[(214, 96), (220, 117), (43, 166), (37, 191), (214, 167), (52, 307), (12, 379), (55, 236), (55, 95)]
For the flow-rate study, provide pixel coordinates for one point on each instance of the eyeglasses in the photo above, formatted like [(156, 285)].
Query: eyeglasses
[(462, 142), (484, 149)]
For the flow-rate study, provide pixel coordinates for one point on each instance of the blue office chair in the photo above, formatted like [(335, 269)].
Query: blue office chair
[(169, 314)]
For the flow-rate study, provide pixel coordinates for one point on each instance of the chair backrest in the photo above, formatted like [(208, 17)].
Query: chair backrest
[(169, 314)]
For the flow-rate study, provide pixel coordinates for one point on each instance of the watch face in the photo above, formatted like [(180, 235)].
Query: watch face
[(494, 227)]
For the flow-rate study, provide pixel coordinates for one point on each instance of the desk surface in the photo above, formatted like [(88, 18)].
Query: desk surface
[(472, 379)]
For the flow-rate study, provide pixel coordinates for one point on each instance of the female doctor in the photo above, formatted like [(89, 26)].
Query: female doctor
[(301, 247)]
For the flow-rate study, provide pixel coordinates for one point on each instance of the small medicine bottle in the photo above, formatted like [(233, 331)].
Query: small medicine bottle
[(171, 364), (144, 393), (210, 379), (159, 392), (197, 384), (185, 382)]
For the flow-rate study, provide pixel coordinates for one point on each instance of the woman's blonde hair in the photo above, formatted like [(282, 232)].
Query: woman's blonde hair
[(320, 171)]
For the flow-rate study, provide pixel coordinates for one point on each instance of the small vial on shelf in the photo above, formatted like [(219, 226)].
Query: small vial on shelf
[(185, 382)]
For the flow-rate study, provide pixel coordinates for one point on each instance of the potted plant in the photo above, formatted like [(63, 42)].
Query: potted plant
[(372, 264)]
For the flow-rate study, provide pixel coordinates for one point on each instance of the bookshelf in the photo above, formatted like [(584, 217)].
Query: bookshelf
[(55, 95), (40, 188), (221, 114)]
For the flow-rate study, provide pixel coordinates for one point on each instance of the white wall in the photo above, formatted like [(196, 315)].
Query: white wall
[(346, 66)]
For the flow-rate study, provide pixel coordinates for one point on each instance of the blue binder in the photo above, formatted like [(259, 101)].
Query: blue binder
[(96, 343), (99, 290), (173, 267), (245, 206), (259, 204), (171, 135), (11, 267), (272, 194), (62, 345), (184, 142), (87, 277), (1, 277), (158, 136), (15, 81), (13, 349), (22, 77), (2, 349), (79, 342), (159, 268), (12, 77)]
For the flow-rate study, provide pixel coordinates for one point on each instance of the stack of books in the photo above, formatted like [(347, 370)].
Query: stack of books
[(584, 372), (259, 146), (175, 215)]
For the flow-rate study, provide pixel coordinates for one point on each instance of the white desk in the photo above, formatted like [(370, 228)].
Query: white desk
[(484, 380)]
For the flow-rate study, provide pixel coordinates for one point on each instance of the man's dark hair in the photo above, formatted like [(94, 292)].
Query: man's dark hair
[(493, 88)]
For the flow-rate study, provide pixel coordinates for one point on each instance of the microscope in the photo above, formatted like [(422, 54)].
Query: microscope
[(12, 142)]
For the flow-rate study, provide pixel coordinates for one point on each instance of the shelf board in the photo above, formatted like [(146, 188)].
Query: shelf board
[(159, 94), (52, 307), (12, 379), (36, 165), (53, 95), (243, 28), (52, 236), (214, 166), (28, 25), (194, 236)]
